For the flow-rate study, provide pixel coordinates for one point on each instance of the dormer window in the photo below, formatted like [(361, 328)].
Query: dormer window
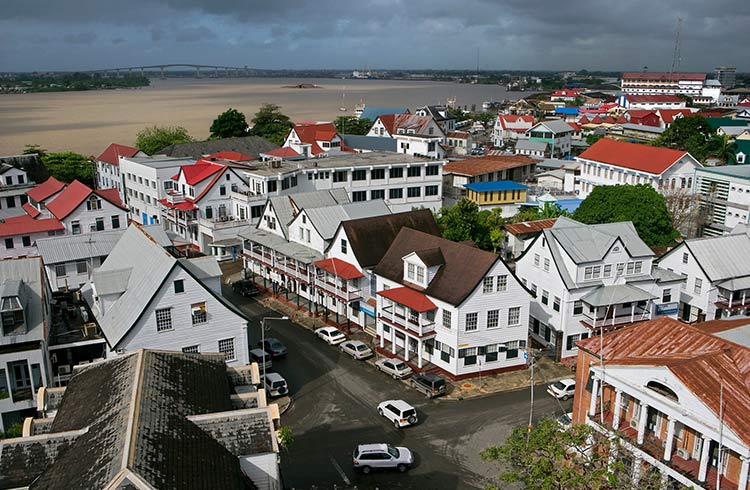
[(93, 203)]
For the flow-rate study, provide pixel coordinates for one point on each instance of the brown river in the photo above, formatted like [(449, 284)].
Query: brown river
[(86, 122)]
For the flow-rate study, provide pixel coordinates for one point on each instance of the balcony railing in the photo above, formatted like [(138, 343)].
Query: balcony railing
[(724, 302), (608, 322), (420, 327), (221, 223), (343, 292)]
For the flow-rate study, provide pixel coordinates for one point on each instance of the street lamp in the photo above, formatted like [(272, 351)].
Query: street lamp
[(263, 338)]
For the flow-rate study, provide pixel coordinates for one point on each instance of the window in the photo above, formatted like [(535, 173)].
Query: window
[(396, 172), (414, 171), (344, 247), (446, 319), (75, 227), (411, 271), (620, 269), (10, 202), (666, 296), (514, 316), (179, 286), (93, 203), (490, 352), (471, 321), (223, 190), (607, 270), (698, 285), (82, 267), (638, 267), (685, 258), (469, 355), (546, 264), (198, 313), (488, 284), (26, 241), (571, 341), (115, 222), (413, 191), (359, 196), (377, 174), (9, 243), (511, 349), (431, 190), (60, 270), (272, 185), (340, 176), (577, 307), (545, 297), (536, 260), (359, 174), (99, 224), (556, 303), (493, 316), (226, 347), (533, 289), (630, 268), (432, 170), (502, 283), (414, 316), (377, 194), (420, 274), (163, 319), (395, 193)]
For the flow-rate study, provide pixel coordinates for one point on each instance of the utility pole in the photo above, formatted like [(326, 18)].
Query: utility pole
[(531, 407)]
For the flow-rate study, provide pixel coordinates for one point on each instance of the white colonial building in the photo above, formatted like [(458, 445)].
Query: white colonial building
[(510, 127), (108, 166), (725, 197), (663, 83), (13, 186), (145, 181)]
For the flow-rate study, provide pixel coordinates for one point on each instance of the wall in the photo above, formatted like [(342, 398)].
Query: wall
[(18, 249), (88, 218), (673, 261)]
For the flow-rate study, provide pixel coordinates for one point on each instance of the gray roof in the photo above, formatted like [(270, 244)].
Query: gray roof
[(32, 290), (161, 161), (724, 257), (135, 409), (664, 275), (643, 127), (559, 174), (284, 206), (590, 243), (739, 171), (11, 287), (554, 125), (372, 143), (69, 248), (241, 432), (530, 145), (616, 294), (297, 251), (556, 163), (249, 145), (111, 281), (202, 267), (327, 219), (159, 234), (738, 335)]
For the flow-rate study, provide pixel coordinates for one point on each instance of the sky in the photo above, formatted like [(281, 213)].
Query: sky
[(381, 34)]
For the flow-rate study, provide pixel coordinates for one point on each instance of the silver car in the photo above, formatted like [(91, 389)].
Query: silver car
[(396, 368), (333, 336), (368, 457), (357, 349)]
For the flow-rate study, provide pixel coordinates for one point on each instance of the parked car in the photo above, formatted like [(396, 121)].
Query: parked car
[(565, 420), (273, 347), (357, 349), (368, 457), (275, 385), (399, 412), (261, 357), (245, 287), (396, 368), (430, 384), (333, 336), (563, 389)]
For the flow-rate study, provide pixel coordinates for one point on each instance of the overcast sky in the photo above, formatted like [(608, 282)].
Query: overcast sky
[(348, 34)]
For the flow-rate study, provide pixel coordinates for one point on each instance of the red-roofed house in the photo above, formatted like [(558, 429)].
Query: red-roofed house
[(234, 156), (668, 116), (43, 193), (414, 134), (283, 153), (612, 162), (108, 166), (19, 234), (511, 127), (565, 95), (314, 139), (84, 210), (14, 184), (644, 118)]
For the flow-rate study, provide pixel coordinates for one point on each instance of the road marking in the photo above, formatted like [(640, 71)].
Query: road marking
[(340, 471)]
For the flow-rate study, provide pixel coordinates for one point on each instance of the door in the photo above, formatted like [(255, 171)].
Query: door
[(21, 376), (651, 420), (686, 312)]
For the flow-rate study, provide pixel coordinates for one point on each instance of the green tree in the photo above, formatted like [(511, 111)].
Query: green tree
[(271, 124), (690, 134), (68, 166), (34, 149), (155, 138), (640, 204), (229, 124), (352, 125), (721, 147), (459, 222), (547, 211), (593, 138)]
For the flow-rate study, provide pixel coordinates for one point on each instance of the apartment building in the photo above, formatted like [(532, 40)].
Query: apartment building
[(662, 83), (556, 133), (591, 278), (147, 180), (108, 166), (725, 197)]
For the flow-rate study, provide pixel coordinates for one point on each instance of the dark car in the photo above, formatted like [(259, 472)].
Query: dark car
[(430, 384), (274, 347), (245, 287)]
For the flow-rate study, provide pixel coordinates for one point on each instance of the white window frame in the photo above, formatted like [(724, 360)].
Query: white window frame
[(472, 322), (164, 323), (502, 283), (514, 313), (493, 318), (226, 347), (488, 284)]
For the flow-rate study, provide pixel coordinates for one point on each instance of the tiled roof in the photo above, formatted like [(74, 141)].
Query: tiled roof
[(485, 165), (409, 298), (75, 194), (458, 135), (525, 227), (25, 225), (702, 362), (339, 268), (644, 158), (198, 172), (46, 189), (31, 210), (312, 133), (496, 185), (113, 151), (663, 76)]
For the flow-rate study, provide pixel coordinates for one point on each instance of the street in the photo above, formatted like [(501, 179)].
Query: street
[(334, 409)]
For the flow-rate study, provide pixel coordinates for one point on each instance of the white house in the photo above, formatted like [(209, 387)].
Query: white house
[(19, 234), (518, 236), (534, 149), (460, 142), (142, 297), (555, 132), (510, 127), (13, 186), (586, 278), (145, 181), (439, 114), (415, 134), (449, 305), (314, 139), (612, 162), (108, 166), (725, 194)]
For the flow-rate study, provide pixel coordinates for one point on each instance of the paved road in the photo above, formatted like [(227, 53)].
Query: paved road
[(334, 409)]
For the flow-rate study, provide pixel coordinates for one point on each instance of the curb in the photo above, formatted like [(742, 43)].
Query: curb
[(507, 390), (284, 404)]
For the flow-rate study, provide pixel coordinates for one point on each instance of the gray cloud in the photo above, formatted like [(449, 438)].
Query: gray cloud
[(510, 34)]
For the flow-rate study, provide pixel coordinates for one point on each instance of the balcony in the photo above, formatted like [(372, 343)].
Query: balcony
[(730, 303), (220, 223), (419, 326), (613, 321), (344, 293)]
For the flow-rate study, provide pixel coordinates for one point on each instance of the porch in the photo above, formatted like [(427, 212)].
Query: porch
[(609, 307)]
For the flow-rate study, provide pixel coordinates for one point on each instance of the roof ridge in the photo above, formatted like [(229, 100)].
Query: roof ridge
[(134, 412)]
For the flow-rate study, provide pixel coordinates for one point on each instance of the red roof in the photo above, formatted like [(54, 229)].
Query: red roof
[(74, 195), (198, 172), (644, 158), (46, 189), (231, 155), (576, 127), (653, 98), (24, 224), (113, 151), (312, 133), (284, 152), (521, 122), (524, 227), (339, 268), (668, 115), (410, 298), (31, 210), (186, 205), (622, 119), (663, 76), (583, 120)]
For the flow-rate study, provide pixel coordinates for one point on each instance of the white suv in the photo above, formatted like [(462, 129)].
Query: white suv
[(367, 457), (399, 412)]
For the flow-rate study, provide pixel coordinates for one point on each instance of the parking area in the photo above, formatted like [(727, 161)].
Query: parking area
[(334, 408)]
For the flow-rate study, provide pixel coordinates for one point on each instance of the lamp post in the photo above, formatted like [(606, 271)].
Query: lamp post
[(263, 338)]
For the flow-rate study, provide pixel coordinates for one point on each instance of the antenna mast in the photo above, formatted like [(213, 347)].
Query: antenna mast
[(676, 55)]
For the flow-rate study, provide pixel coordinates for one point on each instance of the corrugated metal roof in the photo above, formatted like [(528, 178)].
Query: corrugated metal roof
[(724, 257), (531, 145), (327, 219), (554, 125), (112, 281), (159, 234), (202, 267), (69, 248), (616, 294), (590, 243), (284, 206), (294, 250), (29, 272)]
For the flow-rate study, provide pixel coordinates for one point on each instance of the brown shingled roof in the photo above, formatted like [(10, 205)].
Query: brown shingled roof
[(463, 270), (484, 165)]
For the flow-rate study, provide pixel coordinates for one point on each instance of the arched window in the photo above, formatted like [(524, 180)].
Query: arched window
[(690, 183), (663, 390)]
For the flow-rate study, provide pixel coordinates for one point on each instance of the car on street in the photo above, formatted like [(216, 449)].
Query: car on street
[(332, 335), (563, 389), (245, 287), (275, 385), (262, 358), (565, 420), (368, 457), (357, 349), (396, 368), (273, 347), (430, 384), (400, 413)]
